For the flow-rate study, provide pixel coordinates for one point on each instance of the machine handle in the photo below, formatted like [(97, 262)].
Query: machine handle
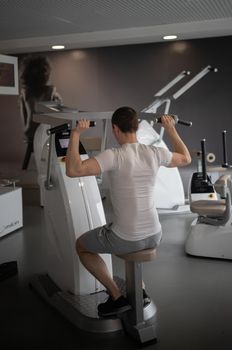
[(64, 127), (58, 128), (224, 148), (176, 120), (203, 159), (185, 122)]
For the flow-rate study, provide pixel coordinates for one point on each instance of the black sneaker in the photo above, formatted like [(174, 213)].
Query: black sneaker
[(113, 307), (146, 299)]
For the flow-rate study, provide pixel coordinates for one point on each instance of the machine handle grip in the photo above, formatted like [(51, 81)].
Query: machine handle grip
[(185, 122), (58, 128), (176, 120), (203, 160), (224, 147), (64, 127)]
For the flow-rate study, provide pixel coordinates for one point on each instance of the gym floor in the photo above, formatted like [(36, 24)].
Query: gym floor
[(193, 295)]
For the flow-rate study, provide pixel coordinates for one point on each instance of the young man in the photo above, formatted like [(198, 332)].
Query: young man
[(132, 170)]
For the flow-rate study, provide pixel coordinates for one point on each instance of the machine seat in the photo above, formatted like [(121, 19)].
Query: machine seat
[(212, 208), (140, 256)]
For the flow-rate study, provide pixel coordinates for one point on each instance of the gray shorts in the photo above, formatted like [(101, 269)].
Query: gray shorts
[(104, 240)]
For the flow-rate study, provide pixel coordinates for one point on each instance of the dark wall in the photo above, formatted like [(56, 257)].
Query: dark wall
[(106, 78)]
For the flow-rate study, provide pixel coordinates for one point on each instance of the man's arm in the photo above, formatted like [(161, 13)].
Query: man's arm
[(180, 155), (75, 166)]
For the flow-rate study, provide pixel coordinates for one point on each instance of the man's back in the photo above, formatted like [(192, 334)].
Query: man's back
[(132, 171)]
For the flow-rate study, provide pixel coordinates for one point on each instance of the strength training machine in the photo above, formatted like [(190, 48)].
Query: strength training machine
[(170, 199), (210, 233), (73, 206)]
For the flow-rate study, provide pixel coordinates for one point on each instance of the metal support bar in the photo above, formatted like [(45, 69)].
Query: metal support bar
[(172, 83), (48, 183), (152, 108), (104, 137), (193, 81), (166, 110), (203, 157), (224, 149), (134, 290)]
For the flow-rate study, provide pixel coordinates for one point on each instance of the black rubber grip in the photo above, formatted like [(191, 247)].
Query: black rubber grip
[(176, 119), (92, 123), (203, 160), (59, 128), (66, 126), (184, 122), (224, 149)]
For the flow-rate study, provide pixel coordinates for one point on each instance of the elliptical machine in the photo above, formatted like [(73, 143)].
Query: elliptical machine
[(210, 233)]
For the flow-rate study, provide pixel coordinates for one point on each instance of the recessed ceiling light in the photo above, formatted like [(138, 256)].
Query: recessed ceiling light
[(169, 37), (58, 47)]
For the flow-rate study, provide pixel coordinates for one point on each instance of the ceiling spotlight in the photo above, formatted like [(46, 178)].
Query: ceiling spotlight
[(58, 47), (169, 37)]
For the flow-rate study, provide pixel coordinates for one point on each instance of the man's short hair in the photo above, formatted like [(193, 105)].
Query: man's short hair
[(126, 119)]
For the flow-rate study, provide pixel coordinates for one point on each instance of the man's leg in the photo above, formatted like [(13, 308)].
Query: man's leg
[(97, 267)]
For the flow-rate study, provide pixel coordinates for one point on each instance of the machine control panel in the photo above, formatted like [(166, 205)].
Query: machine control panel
[(62, 141)]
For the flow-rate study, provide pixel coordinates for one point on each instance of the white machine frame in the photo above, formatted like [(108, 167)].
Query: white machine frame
[(210, 234), (209, 239), (80, 200), (72, 207), (170, 199)]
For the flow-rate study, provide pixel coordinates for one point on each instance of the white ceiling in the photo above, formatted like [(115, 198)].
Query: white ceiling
[(35, 25)]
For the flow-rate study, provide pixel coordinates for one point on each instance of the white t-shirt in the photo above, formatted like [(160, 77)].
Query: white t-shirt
[(132, 171)]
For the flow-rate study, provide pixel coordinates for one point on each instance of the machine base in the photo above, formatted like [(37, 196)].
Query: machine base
[(146, 331), (81, 310), (209, 241)]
